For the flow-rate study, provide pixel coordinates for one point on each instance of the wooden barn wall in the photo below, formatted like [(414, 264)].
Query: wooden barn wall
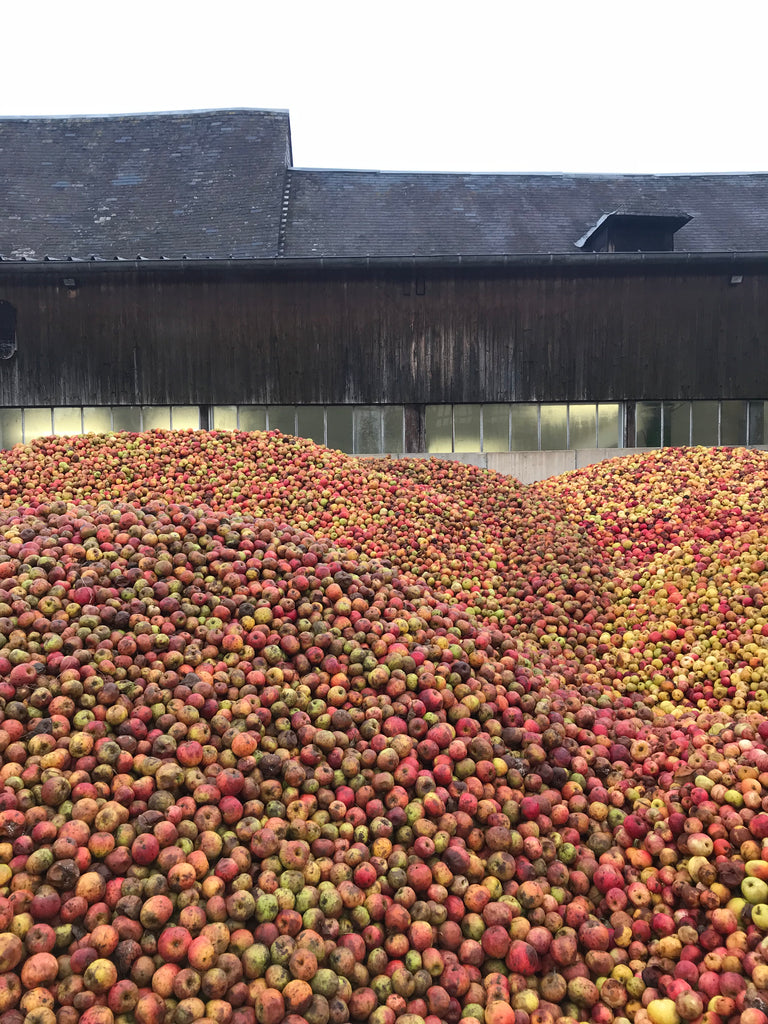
[(138, 337)]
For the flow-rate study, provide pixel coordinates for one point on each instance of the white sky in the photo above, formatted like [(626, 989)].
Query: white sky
[(521, 85)]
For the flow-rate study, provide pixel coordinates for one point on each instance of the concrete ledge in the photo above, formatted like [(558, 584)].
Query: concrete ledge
[(529, 467), (478, 459)]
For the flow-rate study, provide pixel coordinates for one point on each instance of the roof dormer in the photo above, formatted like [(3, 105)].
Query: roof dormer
[(626, 230)]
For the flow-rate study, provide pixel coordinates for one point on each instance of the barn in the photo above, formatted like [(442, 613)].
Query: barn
[(178, 270)]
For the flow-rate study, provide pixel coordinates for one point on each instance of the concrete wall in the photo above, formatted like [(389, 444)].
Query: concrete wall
[(528, 467)]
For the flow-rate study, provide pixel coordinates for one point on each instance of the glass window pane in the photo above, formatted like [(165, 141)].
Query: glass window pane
[(439, 429), (225, 417), (553, 427), (466, 428), (608, 425), (733, 423), (282, 418), (704, 423), (253, 417), (185, 417), (37, 423), (582, 426), (156, 417), (758, 422), (495, 428), (124, 417), (97, 419), (311, 422), (339, 425), (677, 423), (10, 427), (394, 426), (525, 428), (66, 420), (367, 427), (648, 425)]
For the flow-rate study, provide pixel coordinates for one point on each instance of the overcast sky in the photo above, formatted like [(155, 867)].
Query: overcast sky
[(521, 85)]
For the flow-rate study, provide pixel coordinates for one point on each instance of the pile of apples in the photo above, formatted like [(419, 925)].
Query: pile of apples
[(291, 736)]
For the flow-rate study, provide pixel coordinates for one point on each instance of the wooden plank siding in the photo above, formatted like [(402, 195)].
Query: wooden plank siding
[(133, 335)]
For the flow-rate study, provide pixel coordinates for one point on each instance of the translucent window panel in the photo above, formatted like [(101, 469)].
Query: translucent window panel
[(124, 417), (608, 425), (466, 428), (67, 420), (553, 427), (225, 417), (253, 417), (282, 418), (582, 426), (525, 428), (338, 420), (10, 428), (185, 417), (367, 430), (705, 416), (97, 419), (156, 417), (677, 423), (648, 424), (495, 428), (37, 423), (311, 422), (439, 428), (394, 428), (758, 422), (733, 423)]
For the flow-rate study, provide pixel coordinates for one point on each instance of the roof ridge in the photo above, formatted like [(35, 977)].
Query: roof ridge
[(146, 114)]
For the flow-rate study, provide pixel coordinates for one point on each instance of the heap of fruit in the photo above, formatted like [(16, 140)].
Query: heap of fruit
[(290, 736)]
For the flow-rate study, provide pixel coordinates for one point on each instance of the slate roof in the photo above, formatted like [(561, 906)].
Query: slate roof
[(203, 183), (219, 184), (365, 213)]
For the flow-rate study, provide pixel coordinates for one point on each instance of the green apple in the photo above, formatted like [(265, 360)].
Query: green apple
[(754, 890), (760, 916)]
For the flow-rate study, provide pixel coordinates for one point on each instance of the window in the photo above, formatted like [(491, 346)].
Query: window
[(7, 329), (98, 420), (311, 422), (37, 423), (439, 428), (124, 417), (253, 417), (648, 425), (282, 418), (525, 428), (733, 423), (705, 422), (608, 425), (676, 424), (466, 428), (10, 428), (225, 417), (582, 426), (185, 417), (156, 417), (67, 420), (367, 435), (554, 427), (758, 423), (496, 428), (394, 428), (339, 427)]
